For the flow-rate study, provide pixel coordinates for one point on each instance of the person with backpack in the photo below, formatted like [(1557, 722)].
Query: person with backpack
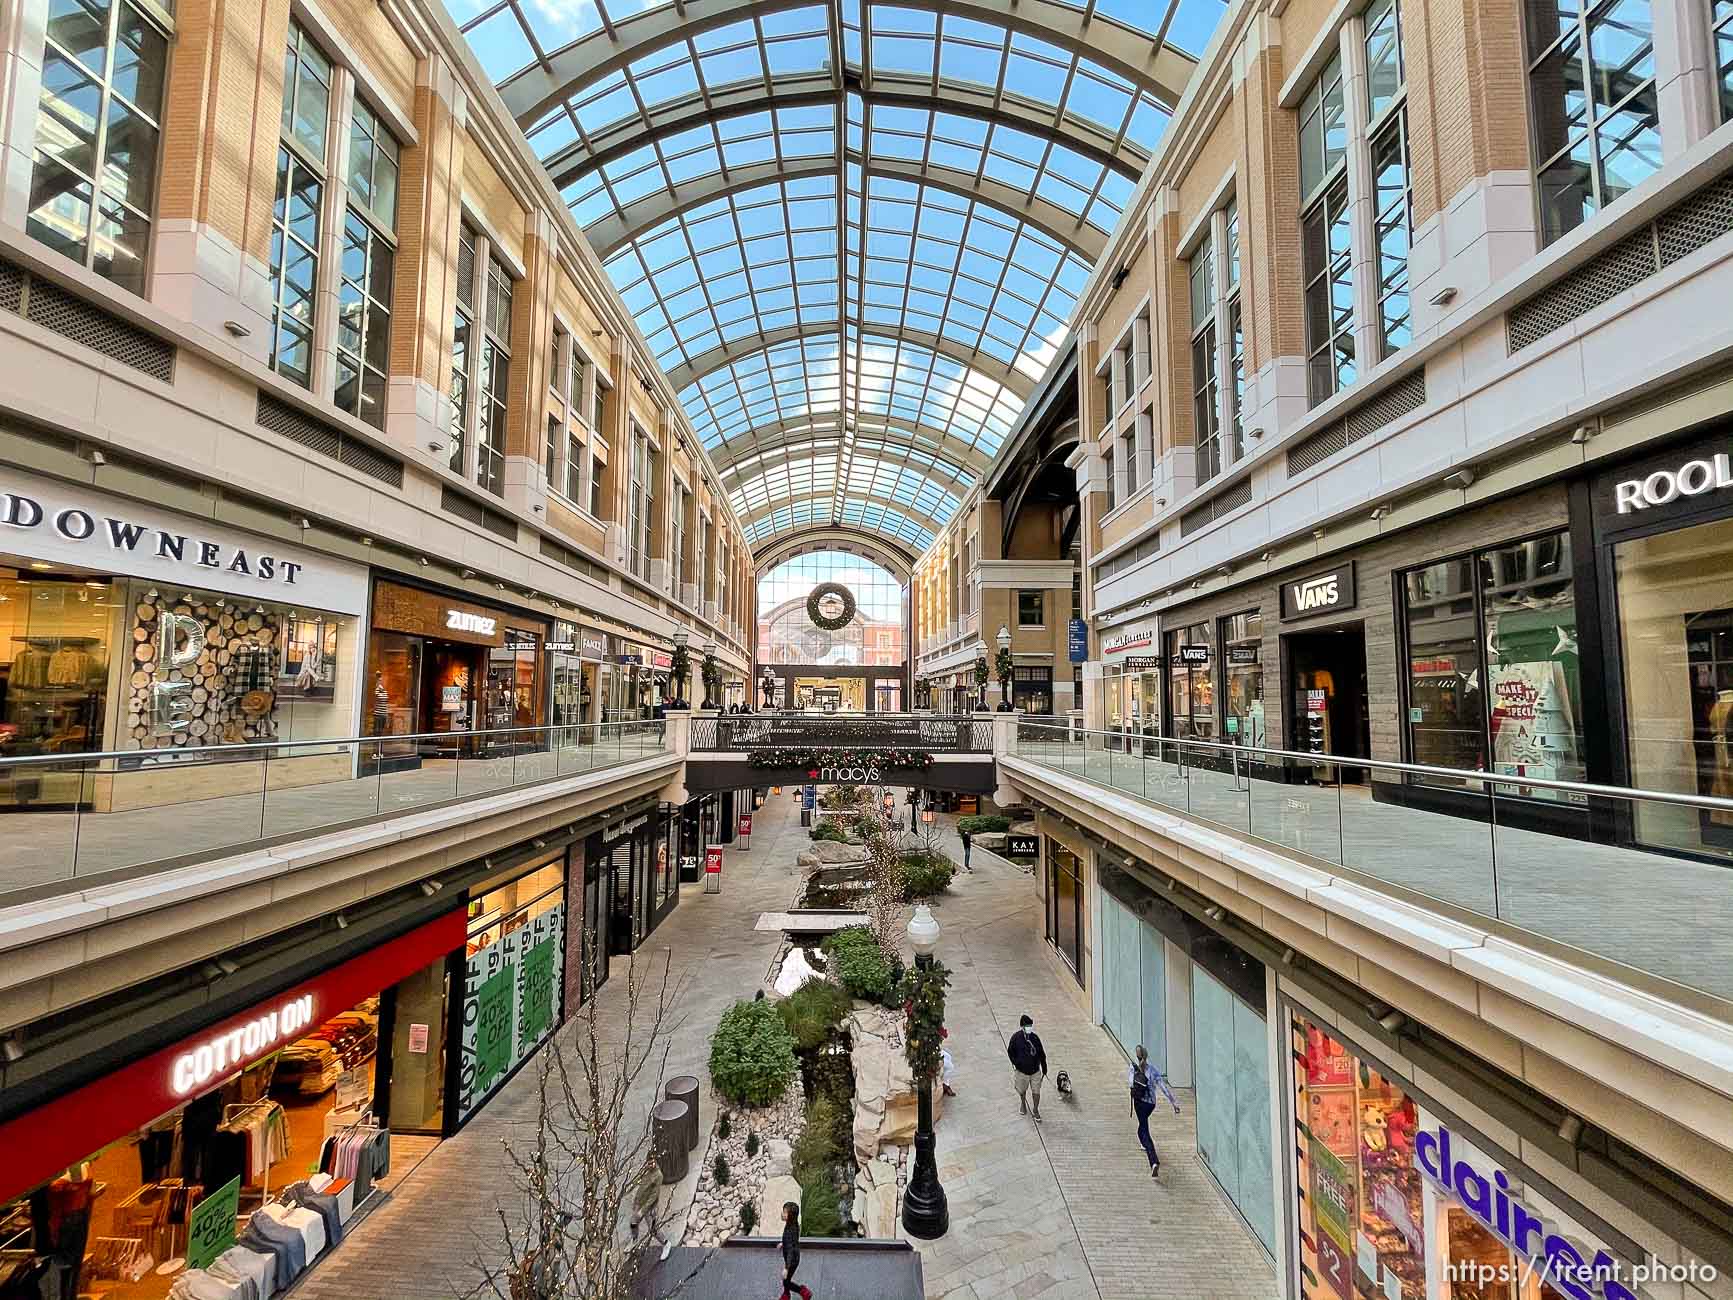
[(966, 866), (1144, 1079), (791, 1251), (1028, 1066)]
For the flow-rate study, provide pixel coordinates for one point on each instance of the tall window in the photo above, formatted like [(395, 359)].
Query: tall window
[(1387, 124), (598, 469), (1721, 15), (93, 183), (1031, 608), (677, 552), (1128, 460), (1236, 334), (1112, 483), (640, 504), (493, 372), (364, 299), (1205, 384), (1325, 236), (295, 219), (560, 413), (874, 636), (462, 330), (1593, 106)]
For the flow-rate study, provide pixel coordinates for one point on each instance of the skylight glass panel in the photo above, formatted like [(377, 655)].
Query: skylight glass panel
[(501, 45)]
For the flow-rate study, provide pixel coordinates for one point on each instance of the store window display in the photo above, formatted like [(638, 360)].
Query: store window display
[(1242, 639), (1191, 681), (129, 1222), (1675, 612), (1494, 678), (57, 631), (1398, 1201), (513, 977)]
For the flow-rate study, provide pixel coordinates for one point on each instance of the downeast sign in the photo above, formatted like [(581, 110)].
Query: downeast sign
[(82, 527)]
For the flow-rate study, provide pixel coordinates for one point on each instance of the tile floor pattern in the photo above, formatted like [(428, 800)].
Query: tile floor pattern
[(1065, 1211), (1553, 885)]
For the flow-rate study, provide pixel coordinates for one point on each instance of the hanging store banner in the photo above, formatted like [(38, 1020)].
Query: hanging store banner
[(510, 1004)]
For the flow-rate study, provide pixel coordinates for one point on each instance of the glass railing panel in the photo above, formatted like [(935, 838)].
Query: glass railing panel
[(1443, 855), (308, 787), (171, 805), (1288, 809), (414, 773)]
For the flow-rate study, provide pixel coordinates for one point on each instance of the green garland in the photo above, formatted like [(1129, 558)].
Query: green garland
[(817, 617), (813, 759), (924, 1006)]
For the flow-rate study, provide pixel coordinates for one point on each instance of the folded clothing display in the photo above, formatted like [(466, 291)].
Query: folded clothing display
[(236, 1274), (311, 1065), (306, 1222), (303, 1195)]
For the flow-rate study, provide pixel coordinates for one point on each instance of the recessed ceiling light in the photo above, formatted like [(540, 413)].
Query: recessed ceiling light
[(38, 564)]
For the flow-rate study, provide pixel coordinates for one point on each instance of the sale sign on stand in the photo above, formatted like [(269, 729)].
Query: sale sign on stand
[(713, 869), (746, 832)]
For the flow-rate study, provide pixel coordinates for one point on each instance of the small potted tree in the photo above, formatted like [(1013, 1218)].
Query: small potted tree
[(981, 681)]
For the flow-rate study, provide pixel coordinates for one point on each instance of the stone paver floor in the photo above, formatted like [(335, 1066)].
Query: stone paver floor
[(1061, 1211)]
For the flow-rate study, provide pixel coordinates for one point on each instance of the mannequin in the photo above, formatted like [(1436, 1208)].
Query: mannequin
[(1721, 750)]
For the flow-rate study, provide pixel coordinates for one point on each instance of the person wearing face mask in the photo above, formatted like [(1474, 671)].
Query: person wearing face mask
[(1028, 1067)]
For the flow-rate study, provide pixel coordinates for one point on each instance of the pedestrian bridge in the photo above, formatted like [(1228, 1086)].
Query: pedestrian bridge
[(734, 752)]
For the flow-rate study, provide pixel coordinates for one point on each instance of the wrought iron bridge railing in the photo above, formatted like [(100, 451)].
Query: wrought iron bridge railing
[(732, 734)]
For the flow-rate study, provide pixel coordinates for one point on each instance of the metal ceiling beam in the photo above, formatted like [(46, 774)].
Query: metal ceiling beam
[(895, 432), (747, 345), (903, 508), (1161, 69), (755, 462), (616, 141), (889, 551)]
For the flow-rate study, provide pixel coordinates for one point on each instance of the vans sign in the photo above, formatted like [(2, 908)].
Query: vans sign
[(1319, 593)]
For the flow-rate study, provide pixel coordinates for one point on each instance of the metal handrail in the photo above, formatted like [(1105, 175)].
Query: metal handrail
[(1417, 769), (250, 746)]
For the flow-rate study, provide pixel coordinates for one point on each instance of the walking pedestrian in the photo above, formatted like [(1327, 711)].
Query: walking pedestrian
[(1144, 1080), (791, 1251), (1028, 1066), (965, 835)]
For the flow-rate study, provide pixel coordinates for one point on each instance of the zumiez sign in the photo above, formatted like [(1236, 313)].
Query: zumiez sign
[(1692, 479), (222, 1054)]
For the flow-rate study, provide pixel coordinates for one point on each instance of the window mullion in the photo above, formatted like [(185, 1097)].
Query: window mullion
[(1224, 336), (333, 209), (1362, 201), (473, 416)]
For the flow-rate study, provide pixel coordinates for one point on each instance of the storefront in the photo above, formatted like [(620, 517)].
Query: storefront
[(635, 863), (1199, 1005), (1398, 1200), (1063, 898), (1662, 557), (119, 1186), (1131, 681), (129, 627), (439, 667), (513, 976), (576, 660)]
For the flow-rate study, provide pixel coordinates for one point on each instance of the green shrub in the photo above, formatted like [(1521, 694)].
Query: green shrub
[(748, 1218), (719, 1170), (859, 964), (828, 829), (751, 1054), (751, 1145), (824, 1140), (813, 1012), (820, 1212), (722, 1127), (921, 875), (990, 823)]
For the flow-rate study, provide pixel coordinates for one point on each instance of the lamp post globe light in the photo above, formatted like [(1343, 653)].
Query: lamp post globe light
[(926, 1213)]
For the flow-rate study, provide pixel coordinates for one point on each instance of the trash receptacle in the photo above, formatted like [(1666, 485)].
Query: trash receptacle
[(684, 1088), (668, 1134)]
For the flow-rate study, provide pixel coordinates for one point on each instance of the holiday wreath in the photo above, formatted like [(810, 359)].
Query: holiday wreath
[(815, 603), (813, 758)]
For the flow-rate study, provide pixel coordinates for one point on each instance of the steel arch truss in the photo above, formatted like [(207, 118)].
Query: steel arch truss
[(860, 225)]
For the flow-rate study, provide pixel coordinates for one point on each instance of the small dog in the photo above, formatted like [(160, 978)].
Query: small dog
[(1062, 1081)]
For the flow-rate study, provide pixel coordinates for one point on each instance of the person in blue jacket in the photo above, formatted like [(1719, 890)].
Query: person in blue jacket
[(1145, 1081)]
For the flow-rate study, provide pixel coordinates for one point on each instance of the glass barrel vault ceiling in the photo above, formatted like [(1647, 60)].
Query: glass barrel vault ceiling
[(854, 283)]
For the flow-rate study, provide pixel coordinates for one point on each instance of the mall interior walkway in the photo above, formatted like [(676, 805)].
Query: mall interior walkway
[(1066, 1210)]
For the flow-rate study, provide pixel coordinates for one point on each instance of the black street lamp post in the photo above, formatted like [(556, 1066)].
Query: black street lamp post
[(926, 1213)]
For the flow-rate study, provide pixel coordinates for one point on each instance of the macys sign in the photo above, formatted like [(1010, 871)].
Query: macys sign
[(843, 775), (1536, 1240)]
